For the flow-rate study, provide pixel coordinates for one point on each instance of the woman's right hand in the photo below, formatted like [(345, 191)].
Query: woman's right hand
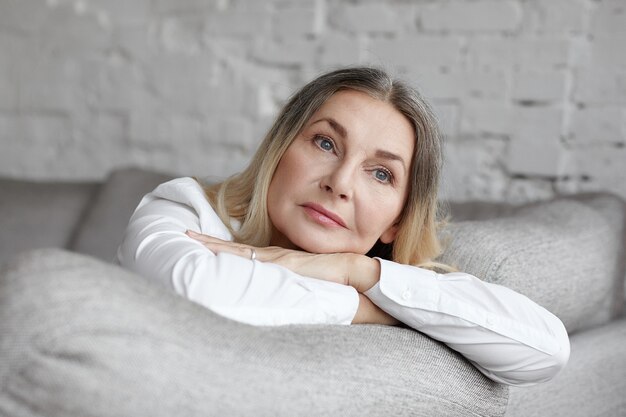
[(359, 271)]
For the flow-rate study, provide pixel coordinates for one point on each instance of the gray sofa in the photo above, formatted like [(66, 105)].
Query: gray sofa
[(79, 336)]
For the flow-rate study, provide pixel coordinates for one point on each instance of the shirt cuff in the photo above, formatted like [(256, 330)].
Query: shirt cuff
[(339, 303)]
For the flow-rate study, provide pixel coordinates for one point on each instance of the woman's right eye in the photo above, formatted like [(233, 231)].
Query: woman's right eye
[(324, 143)]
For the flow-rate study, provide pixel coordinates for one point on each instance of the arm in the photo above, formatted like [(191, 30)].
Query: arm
[(156, 247), (370, 313), (508, 337)]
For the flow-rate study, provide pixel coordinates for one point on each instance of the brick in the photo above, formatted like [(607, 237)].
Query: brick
[(103, 130), (486, 116), (456, 84), (289, 52), (69, 33), (472, 170), (296, 22), (448, 117), (541, 156), (555, 17), (52, 89), (45, 130), (607, 53), (167, 7), (538, 86), (609, 18), (24, 17), (477, 16), (238, 23), (8, 87), (110, 86), (518, 53), (340, 50), (601, 169), (189, 84), (599, 124), (599, 86), (182, 34), (118, 12), (416, 52), (235, 132), (373, 17), (527, 190), (530, 123)]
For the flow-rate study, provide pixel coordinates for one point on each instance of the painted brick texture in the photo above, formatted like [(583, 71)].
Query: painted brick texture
[(531, 94)]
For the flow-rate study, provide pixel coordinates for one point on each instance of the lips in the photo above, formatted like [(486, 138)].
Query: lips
[(323, 216)]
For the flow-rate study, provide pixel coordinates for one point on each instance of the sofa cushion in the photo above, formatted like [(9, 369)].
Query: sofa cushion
[(565, 254), (592, 383), (83, 337), (102, 228), (39, 214)]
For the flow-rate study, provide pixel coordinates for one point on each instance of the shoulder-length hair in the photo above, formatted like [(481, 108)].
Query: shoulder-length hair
[(244, 196)]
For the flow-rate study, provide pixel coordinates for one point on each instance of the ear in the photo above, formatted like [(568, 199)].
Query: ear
[(390, 234)]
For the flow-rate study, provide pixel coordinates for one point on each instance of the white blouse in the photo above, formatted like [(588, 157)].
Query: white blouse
[(508, 337)]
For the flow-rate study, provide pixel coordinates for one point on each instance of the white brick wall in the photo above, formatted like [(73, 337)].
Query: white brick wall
[(531, 94)]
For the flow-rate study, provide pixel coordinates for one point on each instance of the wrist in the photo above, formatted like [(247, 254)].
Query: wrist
[(364, 272)]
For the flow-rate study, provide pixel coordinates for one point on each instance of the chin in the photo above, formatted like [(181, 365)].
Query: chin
[(316, 246)]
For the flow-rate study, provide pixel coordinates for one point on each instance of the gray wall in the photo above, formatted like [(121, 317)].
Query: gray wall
[(531, 93)]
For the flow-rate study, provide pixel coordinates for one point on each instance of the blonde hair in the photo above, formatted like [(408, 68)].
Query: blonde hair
[(244, 195)]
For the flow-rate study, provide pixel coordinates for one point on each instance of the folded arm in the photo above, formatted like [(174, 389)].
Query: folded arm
[(156, 247), (508, 337)]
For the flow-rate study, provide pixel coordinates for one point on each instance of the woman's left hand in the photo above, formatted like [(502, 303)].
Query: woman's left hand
[(358, 271)]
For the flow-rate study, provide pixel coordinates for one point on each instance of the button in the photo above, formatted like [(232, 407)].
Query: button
[(406, 294)]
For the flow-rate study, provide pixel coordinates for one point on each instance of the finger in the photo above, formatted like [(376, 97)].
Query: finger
[(235, 249), (202, 237)]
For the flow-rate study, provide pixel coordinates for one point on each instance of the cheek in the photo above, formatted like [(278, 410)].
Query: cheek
[(379, 213)]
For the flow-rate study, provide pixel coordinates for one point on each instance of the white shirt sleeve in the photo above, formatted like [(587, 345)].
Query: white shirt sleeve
[(508, 337), (156, 247)]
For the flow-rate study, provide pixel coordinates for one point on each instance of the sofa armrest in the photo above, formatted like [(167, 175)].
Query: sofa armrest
[(83, 337), (103, 225), (40, 214)]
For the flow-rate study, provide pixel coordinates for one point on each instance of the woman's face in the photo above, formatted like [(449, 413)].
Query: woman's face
[(341, 185)]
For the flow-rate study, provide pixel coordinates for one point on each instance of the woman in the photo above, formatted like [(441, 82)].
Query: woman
[(334, 221)]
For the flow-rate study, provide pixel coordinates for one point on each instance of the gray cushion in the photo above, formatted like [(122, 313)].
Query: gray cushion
[(37, 214), (565, 254), (102, 229), (83, 337), (592, 383)]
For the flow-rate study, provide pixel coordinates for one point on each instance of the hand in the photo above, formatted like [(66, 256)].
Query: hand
[(359, 271)]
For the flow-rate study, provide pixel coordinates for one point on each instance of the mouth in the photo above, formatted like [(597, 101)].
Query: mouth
[(322, 216)]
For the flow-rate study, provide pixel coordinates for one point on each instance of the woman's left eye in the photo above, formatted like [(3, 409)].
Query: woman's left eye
[(324, 143), (383, 175)]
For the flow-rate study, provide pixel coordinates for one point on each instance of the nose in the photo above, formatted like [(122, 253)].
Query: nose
[(339, 181)]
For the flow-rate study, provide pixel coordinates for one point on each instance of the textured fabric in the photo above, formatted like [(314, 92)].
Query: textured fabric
[(81, 337), (505, 335), (103, 226), (37, 214), (563, 254), (592, 385)]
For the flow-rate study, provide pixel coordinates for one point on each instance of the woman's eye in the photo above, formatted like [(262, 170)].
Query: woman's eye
[(382, 175), (324, 143)]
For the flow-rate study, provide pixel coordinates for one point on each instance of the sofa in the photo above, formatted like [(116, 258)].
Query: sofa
[(80, 336)]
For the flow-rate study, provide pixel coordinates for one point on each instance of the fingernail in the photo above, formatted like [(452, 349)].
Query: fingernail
[(191, 232)]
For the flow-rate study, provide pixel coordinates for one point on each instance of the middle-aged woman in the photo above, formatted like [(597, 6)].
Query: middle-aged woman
[(334, 221)]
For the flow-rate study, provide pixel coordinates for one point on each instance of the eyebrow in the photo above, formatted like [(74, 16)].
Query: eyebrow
[(391, 156), (380, 153)]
